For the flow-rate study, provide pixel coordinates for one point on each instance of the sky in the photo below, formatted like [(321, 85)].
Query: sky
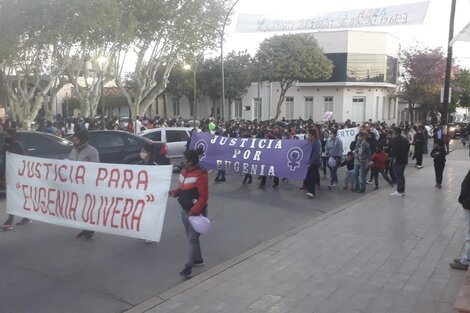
[(432, 33)]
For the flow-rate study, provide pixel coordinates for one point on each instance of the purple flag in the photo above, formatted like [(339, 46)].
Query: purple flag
[(286, 158)]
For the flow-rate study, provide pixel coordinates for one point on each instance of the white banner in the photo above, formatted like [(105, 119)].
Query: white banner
[(405, 14), (347, 136), (463, 35), (126, 200)]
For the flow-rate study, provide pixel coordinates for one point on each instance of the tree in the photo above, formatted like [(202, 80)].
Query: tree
[(238, 76), (32, 41), (461, 89), (423, 71), (289, 58), (163, 33)]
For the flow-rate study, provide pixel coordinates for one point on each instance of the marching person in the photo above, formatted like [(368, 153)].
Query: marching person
[(192, 194), (83, 152), (379, 157), (439, 156), (314, 163), (399, 149), (12, 146), (362, 160), (334, 149), (464, 200)]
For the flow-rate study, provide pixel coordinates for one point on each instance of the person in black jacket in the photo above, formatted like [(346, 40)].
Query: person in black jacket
[(399, 151), (12, 146), (464, 200), (418, 141), (439, 156)]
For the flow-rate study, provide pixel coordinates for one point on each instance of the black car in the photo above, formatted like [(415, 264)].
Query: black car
[(120, 147), (37, 144)]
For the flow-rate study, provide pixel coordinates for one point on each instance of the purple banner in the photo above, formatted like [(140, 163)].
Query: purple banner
[(286, 158)]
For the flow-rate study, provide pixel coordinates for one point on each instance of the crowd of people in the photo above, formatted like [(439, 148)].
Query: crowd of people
[(377, 149)]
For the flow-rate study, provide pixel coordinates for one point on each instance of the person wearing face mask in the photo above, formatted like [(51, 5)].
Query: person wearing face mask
[(192, 194), (12, 146), (83, 152), (146, 155)]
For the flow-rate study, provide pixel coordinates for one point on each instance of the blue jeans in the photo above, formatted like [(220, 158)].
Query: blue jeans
[(399, 171), (194, 253), (360, 171), (334, 172), (466, 253)]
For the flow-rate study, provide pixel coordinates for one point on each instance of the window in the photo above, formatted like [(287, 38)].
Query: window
[(289, 108), (176, 106), (328, 101), (258, 103), (238, 108), (36, 144), (176, 136), (154, 136), (108, 140), (308, 112)]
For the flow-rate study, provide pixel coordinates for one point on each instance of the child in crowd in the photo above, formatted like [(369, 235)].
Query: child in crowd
[(439, 156), (349, 163), (379, 158)]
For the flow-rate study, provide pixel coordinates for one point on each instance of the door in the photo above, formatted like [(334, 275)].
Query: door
[(176, 142), (359, 109)]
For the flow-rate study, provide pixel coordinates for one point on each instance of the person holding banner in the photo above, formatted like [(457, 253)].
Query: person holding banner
[(192, 194), (82, 151), (12, 146), (334, 152), (314, 163)]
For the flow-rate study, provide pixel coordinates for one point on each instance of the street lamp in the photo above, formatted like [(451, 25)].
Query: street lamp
[(187, 67), (221, 34), (101, 64)]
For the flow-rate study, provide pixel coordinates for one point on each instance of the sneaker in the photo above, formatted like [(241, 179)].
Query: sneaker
[(345, 188), (186, 272), (275, 186), (243, 183), (222, 180), (199, 262), (7, 227), (376, 188), (285, 180), (249, 182), (261, 187), (439, 186), (361, 191), (90, 235), (397, 194), (310, 195), (330, 186), (24, 221), (81, 234), (368, 182), (458, 265), (302, 188), (419, 166)]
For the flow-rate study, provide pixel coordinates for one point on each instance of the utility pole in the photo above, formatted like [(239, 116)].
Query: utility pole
[(445, 110)]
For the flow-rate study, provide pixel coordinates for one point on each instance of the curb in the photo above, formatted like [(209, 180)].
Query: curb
[(196, 280)]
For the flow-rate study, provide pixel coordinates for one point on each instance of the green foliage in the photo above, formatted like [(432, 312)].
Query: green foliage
[(289, 58), (461, 89), (423, 72)]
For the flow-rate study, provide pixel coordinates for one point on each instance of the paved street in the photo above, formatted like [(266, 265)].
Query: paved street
[(44, 267), (379, 254)]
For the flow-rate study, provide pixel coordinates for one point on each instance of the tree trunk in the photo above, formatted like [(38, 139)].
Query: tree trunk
[(282, 96), (165, 109), (411, 110)]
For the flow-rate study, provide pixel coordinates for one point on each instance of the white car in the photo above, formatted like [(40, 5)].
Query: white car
[(175, 138)]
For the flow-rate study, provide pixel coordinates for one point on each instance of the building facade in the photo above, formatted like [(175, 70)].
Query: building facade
[(363, 85)]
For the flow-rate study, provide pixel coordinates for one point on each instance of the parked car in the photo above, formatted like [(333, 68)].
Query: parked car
[(175, 138), (120, 147), (38, 144)]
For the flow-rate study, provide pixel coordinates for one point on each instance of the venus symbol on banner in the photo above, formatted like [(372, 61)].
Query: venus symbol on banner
[(201, 144), (294, 156)]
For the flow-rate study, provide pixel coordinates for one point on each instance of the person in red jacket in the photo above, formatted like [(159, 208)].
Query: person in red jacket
[(192, 194), (379, 158)]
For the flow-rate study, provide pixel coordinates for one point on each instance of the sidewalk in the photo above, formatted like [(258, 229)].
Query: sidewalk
[(379, 254)]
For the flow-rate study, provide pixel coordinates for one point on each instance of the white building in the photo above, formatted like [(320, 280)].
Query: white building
[(363, 85)]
